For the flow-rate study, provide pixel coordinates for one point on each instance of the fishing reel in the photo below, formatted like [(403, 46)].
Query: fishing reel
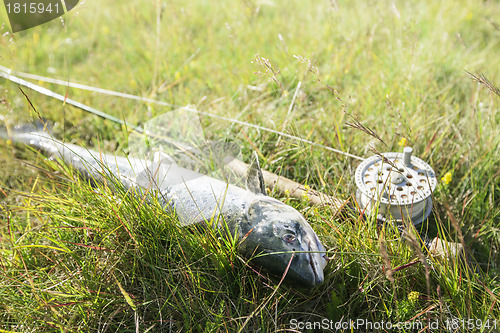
[(396, 186)]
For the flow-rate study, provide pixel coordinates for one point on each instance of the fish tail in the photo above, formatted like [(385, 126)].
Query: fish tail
[(28, 134), (15, 132), (89, 163), (38, 136)]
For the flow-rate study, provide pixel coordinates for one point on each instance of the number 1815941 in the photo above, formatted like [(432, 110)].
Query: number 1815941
[(470, 324), (32, 8)]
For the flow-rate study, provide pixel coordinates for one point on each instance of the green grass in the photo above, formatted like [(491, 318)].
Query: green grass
[(74, 257)]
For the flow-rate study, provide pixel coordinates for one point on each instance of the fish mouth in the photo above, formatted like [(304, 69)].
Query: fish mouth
[(318, 278), (308, 270), (316, 263)]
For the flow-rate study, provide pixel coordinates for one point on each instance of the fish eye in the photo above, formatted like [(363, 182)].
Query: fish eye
[(289, 238)]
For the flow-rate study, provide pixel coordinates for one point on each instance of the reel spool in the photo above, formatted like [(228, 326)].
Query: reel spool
[(399, 185)]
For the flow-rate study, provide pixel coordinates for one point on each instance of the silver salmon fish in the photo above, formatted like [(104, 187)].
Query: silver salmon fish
[(277, 232)]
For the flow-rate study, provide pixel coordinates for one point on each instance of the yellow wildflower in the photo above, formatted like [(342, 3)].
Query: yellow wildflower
[(413, 296), (446, 178), (402, 142)]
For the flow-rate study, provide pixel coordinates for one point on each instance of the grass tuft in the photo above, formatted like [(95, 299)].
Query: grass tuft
[(76, 256)]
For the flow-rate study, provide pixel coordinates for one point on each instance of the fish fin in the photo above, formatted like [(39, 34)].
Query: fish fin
[(254, 179)]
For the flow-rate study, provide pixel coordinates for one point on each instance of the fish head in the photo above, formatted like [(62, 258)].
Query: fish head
[(274, 234)]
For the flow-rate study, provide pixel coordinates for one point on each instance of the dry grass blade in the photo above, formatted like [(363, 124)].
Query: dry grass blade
[(493, 23), (358, 125), (270, 71), (385, 256), (384, 159), (482, 79)]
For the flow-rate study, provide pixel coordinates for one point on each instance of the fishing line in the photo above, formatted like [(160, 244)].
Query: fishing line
[(7, 74)]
